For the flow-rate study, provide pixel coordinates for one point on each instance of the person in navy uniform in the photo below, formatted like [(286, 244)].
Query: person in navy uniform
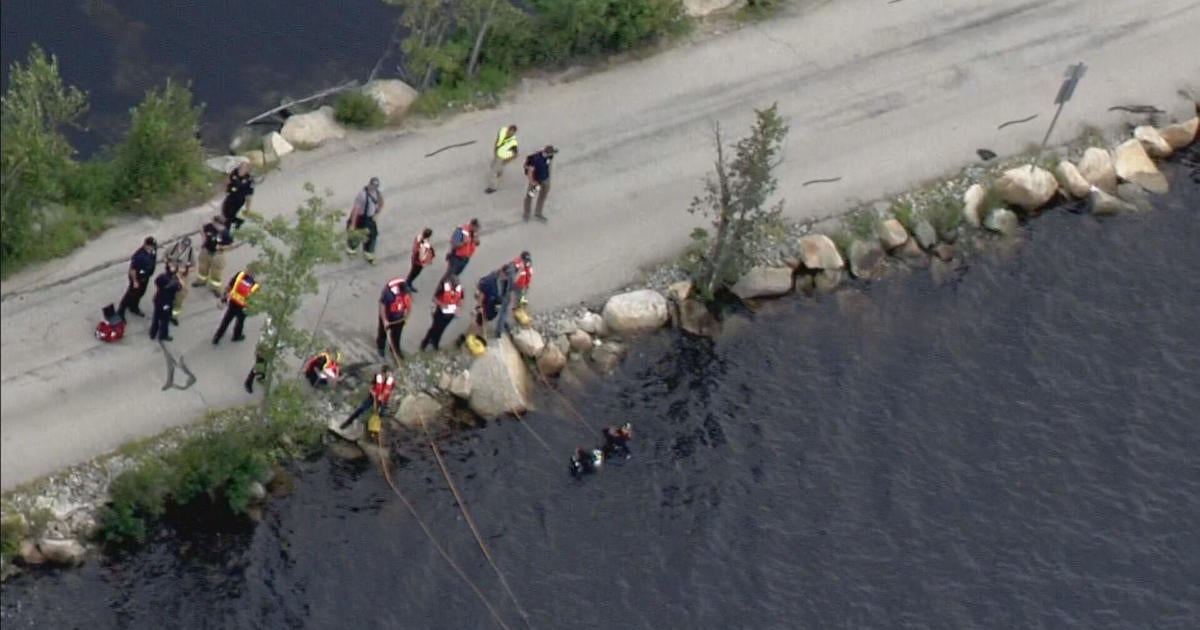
[(537, 171), (141, 269), (239, 188), (168, 285)]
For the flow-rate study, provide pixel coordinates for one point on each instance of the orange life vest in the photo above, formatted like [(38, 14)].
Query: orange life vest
[(381, 389), (450, 298), (524, 274), (467, 249), (243, 287), (422, 251), (330, 368)]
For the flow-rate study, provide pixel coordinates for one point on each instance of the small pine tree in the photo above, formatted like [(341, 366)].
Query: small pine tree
[(735, 199)]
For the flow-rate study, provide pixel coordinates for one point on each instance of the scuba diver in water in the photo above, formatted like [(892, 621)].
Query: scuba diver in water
[(616, 441), (585, 461)]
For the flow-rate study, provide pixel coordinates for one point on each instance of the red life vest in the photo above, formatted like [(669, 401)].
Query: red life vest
[(400, 303), (450, 298), (329, 368), (243, 287), (524, 274), (422, 251), (381, 389), (467, 249)]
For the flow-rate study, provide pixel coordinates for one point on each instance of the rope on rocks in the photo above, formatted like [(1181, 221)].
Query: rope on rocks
[(462, 505), (441, 550)]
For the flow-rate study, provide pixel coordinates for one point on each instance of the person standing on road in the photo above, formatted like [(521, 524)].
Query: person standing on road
[(236, 299), (141, 268), (180, 258), (537, 171), (262, 351), (447, 299), (463, 243), (217, 239), (394, 305), (168, 285), (422, 257), (504, 151), (367, 207), (239, 188), (522, 275)]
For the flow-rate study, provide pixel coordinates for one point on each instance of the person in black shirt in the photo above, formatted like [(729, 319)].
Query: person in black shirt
[(141, 267), (168, 284), (537, 171), (217, 239), (239, 188), (616, 441)]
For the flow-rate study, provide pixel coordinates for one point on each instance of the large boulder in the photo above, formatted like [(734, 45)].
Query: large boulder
[(1102, 203), (312, 129), (591, 323), (818, 251), (460, 385), (636, 312), (551, 361), (1180, 134), (1072, 180), (1096, 166), (701, 8), (1002, 221), (696, 318), (866, 259), (256, 158), (1152, 141), (892, 234), (972, 200), (415, 408), (275, 147), (393, 96), (500, 382), (28, 554), (1027, 187), (829, 279), (764, 282), (528, 341), (1133, 164), (67, 553)]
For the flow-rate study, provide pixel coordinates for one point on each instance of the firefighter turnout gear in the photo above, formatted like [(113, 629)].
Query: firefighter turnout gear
[(463, 244), (236, 299), (394, 304)]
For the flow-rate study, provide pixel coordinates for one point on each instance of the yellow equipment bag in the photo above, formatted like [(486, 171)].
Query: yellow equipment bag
[(522, 317), (374, 423), (475, 345)]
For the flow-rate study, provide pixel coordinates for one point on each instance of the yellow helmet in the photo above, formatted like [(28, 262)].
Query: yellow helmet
[(475, 345)]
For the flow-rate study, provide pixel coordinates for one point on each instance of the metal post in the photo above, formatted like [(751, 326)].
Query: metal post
[(1065, 91)]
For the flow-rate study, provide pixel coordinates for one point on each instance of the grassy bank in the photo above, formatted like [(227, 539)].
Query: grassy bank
[(51, 203)]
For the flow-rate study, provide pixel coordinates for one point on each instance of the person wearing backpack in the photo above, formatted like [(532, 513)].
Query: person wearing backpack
[(367, 207)]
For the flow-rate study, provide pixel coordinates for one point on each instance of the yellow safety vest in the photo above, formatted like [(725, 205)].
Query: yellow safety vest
[(506, 146)]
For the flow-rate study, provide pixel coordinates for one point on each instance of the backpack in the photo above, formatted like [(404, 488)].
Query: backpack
[(111, 328)]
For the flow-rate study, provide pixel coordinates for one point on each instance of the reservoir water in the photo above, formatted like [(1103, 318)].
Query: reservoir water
[(1017, 448)]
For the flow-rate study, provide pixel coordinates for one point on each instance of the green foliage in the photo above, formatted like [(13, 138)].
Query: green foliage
[(136, 495), (907, 215), (288, 254), (944, 213), (161, 155), (358, 110), (842, 239), (224, 460), (34, 153), (862, 224), (735, 200), (12, 530)]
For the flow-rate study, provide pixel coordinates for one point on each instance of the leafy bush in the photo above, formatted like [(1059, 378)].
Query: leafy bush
[(161, 156), (223, 461), (945, 214), (862, 224), (907, 215), (12, 529), (358, 110)]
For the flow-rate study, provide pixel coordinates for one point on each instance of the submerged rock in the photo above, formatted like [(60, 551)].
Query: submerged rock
[(866, 259), (1027, 187), (607, 356), (829, 279), (580, 341), (696, 318), (1102, 203), (66, 553), (551, 360), (1136, 195), (635, 312), (764, 282), (925, 234), (417, 407), (1096, 166), (1133, 164), (1003, 221)]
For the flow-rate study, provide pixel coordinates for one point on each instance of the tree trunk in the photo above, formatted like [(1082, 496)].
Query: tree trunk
[(429, 68), (473, 64)]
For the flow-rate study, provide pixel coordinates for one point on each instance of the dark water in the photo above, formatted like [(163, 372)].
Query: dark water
[(1017, 449), (241, 56)]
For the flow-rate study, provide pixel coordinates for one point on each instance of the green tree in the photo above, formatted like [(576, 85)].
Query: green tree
[(161, 155), (34, 153), (735, 200), (288, 255)]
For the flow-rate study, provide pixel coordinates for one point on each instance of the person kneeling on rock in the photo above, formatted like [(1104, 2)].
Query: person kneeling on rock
[(616, 441), (584, 461), (323, 369)]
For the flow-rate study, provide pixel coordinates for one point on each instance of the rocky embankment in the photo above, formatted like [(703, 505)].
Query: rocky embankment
[(935, 228)]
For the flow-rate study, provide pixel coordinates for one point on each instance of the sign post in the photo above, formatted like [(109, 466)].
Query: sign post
[(1065, 92)]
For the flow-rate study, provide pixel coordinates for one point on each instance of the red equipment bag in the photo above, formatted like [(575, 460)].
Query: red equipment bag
[(112, 327)]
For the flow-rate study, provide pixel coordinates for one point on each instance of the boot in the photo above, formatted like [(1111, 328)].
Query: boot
[(249, 384)]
